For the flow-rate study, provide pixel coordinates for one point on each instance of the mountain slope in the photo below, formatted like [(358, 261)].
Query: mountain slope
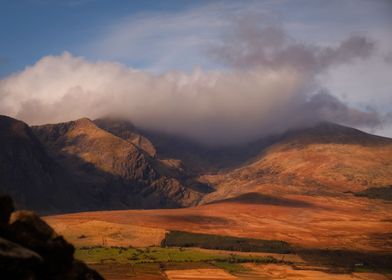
[(127, 131), (29, 173), (111, 164), (117, 171), (200, 159), (327, 159)]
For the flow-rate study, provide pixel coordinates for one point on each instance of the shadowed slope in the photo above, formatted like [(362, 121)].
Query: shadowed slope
[(29, 174)]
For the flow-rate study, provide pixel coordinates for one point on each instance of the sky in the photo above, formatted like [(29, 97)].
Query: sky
[(217, 71)]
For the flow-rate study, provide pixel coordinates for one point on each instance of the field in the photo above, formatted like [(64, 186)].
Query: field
[(152, 262), (335, 222), (163, 255), (336, 237)]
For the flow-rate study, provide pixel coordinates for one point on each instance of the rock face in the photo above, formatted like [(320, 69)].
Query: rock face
[(31, 249)]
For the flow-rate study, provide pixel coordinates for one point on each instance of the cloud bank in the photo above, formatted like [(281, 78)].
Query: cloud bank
[(269, 86)]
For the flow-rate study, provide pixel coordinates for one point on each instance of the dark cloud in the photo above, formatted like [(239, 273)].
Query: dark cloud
[(250, 45)]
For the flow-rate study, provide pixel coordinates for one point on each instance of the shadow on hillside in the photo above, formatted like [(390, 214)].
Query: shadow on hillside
[(102, 190), (258, 198)]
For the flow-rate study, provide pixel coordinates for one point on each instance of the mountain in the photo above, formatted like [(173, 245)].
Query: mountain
[(200, 159), (112, 164), (120, 172), (327, 159)]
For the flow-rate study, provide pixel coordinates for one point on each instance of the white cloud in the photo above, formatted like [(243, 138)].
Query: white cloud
[(210, 106)]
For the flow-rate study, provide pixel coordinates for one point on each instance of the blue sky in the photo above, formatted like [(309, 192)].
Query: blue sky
[(31, 29), (197, 42)]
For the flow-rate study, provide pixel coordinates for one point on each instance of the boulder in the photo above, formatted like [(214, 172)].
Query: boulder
[(17, 262), (28, 224), (80, 271), (31, 250), (6, 208), (31, 231)]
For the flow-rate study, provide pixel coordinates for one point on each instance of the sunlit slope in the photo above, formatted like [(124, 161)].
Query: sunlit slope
[(323, 160), (346, 222)]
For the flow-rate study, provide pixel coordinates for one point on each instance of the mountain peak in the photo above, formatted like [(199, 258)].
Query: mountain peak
[(84, 121), (328, 132), (128, 132)]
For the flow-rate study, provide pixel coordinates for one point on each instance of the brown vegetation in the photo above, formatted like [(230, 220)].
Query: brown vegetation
[(345, 222)]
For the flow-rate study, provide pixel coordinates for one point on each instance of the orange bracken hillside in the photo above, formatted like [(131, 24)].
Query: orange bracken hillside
[(325, 160)]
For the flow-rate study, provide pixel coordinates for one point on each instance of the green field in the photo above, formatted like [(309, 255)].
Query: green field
[(221, 242), (167, 256)]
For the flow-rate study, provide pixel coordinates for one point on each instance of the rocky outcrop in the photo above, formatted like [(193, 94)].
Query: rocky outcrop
[(31, 249), (18, 262)]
